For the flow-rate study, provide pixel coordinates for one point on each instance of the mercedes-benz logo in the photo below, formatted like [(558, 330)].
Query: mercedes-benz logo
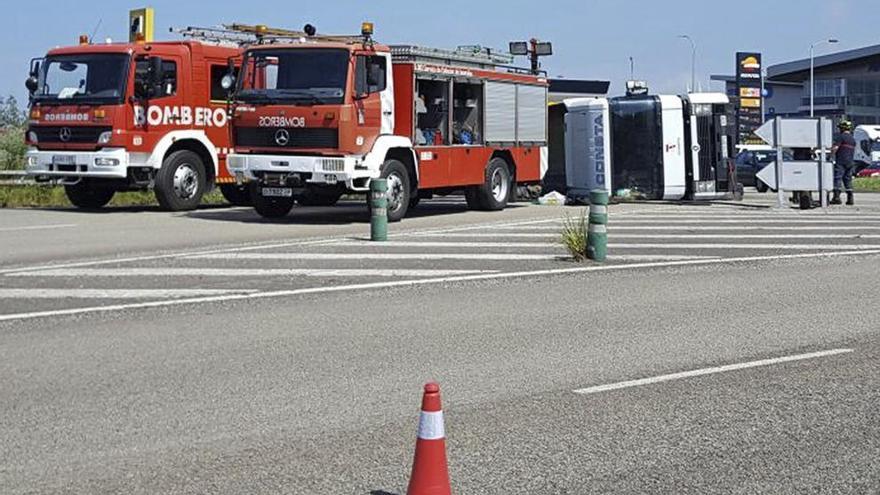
[(65, 134), (282, 137)]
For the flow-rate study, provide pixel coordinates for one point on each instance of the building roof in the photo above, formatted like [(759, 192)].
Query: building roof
[(793, 69)]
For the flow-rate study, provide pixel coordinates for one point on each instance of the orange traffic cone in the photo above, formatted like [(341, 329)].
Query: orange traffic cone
[(430, 474)]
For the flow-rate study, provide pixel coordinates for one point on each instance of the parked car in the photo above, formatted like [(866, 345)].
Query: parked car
[(751, 161), (872, 170)]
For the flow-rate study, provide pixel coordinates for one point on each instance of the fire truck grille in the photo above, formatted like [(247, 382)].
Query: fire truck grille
[(260, 137), (73, 134)]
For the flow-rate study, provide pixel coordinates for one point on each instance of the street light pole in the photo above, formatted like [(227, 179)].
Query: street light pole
[(813, 72), (693, 61)]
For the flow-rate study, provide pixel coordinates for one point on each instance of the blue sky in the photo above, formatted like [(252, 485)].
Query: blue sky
[(592, 38)]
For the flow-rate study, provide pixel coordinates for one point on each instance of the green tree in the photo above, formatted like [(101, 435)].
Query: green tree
[(12, 127), (11, 115)]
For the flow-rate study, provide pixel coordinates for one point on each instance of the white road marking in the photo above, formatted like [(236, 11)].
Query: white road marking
[(37, 293), (726, 228), (611, 229), (427, 256), (245, 248), (38, 227), (243, 272), (377, 256), (709, 371), (550, 243), (765, 221), (425, 282)]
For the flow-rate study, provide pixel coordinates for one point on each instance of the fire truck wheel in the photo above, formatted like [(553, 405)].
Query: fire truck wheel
[(236, 195), (399, 189), (83, 195), (270, 207), (761, 187), (180, 183), (495, 191)]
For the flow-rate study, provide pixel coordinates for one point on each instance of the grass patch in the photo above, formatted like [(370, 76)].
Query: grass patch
[(574, 236), (43, 196), (867, 184)]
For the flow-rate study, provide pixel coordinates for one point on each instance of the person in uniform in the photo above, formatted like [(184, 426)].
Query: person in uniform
[(843, 152)]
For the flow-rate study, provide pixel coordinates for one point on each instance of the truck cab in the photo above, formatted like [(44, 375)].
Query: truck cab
[(867, 152), (106, 118), (307, 117)]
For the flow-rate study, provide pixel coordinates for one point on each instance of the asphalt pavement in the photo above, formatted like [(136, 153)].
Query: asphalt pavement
[(288, 357)]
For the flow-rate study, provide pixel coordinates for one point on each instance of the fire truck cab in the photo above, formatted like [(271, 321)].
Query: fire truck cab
[(316, 118), (127, 116)]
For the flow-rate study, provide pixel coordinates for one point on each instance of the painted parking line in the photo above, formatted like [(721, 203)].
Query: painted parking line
[(38, 293), (38, 227), (709, 371), (427, 282), (244, 272)]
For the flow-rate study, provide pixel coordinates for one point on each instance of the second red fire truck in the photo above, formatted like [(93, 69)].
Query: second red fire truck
[(316, 117)]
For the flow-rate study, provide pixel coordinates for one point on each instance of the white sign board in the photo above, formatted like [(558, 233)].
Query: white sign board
[(797, 133), (798, 176)]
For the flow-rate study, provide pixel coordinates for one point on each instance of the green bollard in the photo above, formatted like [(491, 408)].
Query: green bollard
[(379, 210), (597, 235)]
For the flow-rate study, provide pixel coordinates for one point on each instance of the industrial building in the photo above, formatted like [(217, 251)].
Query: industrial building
[(847, 84)]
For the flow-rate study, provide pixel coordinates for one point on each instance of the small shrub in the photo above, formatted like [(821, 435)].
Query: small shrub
[(574, 236)]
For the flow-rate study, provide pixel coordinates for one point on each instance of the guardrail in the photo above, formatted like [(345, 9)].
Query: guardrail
[(15, 178)]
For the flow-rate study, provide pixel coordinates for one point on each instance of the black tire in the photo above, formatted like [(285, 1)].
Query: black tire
[(760, 186), (313, 197), (805, 200), (400, 191), (181, 182), (236, 195), (414, 201), (494, 193), (85, 196), (270, 207)]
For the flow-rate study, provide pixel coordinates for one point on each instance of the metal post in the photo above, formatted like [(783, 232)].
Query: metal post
[(597, 236), (812, 79), (693, 62), (823, 193), (379, 210), (780, 157)]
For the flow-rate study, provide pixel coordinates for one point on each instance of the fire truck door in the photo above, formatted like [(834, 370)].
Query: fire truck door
[(387, 98)]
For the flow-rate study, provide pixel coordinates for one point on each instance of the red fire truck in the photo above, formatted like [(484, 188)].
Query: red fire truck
[(315, 117), (125, 116)]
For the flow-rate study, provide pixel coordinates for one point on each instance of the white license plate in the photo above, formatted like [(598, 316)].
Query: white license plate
[(63, 160), (277, 192)]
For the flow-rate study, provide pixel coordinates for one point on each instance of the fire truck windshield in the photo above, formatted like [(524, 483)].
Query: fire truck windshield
[(299, 76), (83, 79)]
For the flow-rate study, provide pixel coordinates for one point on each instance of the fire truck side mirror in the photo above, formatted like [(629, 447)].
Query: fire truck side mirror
[(32, 84), (157, 72), (227, 82)]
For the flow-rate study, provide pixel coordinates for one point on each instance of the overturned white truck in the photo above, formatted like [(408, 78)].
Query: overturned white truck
[(654, 147)]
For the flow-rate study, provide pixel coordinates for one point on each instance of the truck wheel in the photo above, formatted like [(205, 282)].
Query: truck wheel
[(760, 186), (236, 195), (313, 197), (84, 196), (494, 193), (180, 183), (399, 189), (270, 207)]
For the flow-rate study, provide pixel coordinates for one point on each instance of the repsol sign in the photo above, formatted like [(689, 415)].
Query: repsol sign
[(183, 116)]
